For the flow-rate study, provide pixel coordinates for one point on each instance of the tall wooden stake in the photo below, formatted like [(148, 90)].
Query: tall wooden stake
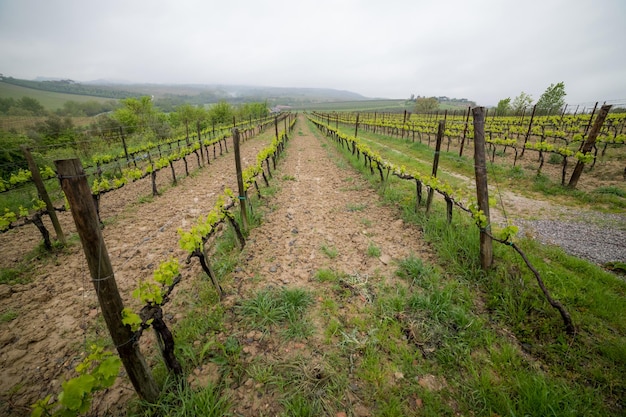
[(43, 194), (242, 192), (482, 193), (469, 109), (431, 191), (530, 126), (74, 184), (588, 144)]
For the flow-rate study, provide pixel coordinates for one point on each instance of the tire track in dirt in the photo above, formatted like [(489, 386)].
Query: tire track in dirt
[(322, 202), (55, 311)]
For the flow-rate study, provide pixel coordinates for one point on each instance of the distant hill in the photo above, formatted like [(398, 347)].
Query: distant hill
[(49, 99), (167, 96), (53, 92)]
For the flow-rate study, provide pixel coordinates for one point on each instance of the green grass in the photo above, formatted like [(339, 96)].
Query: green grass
[(270, 308), (356, 206), (180, 400), (454, 320), (8, 316), (373, 251), (330, 251)]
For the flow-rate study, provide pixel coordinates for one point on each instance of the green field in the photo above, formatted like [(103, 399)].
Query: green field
[(50, 100)]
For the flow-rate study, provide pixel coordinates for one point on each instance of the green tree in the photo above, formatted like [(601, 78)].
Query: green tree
[(188, 115), (252, 110), (54, 130), (11, 156), (6, 104), (425, 105), (552, 100), (504, 107), (136, 115), (521, 102), (221, 112), (31, 105)]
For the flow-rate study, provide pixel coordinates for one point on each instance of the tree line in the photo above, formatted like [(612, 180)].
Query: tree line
[(552, 101)]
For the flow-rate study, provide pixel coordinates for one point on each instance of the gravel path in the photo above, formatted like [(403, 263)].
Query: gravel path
[(585, 240), (591, 235)]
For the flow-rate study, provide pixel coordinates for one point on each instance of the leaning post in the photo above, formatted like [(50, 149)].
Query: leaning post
[(242, 192), (74, 184), (43, 194)]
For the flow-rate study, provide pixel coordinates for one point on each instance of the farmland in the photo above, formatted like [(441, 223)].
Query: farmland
[(346, 298)]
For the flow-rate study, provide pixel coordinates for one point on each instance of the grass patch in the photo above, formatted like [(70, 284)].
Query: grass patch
[(270, 308), (327, 275), (8, 316), (356, 207), (180, 400), (330, 251), (373, 251)]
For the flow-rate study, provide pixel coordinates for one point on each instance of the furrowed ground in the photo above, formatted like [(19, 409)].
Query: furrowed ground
[(338, 305)]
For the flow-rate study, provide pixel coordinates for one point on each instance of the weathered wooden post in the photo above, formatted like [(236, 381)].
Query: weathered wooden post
[(240, 186), (431, 191), (588, 144), (200, 139), (124, 144), (43, 194), (482, 193), (356, 126), (74, 184), (530, 126), (469, 110)]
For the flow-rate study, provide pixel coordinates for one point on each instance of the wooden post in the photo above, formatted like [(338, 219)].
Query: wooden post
[(530, 126), (469, 109), (590, 119), (431, 191), (74, 184), (242, 192), (482, 193), (124, 143), (588, 144), (356, 126), (43, 194), (200, 139)]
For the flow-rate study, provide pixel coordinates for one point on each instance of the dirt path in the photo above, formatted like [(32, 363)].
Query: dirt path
[(57, 312), (324, 218)]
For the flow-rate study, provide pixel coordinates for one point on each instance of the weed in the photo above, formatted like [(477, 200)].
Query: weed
[(613, 190), (356, 207), (330, 251), (8, 316), (326, 275), (373, 251), (179, 399), (269, 308)]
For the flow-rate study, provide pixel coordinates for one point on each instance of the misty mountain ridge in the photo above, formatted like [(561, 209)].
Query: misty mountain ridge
[(207, 93)]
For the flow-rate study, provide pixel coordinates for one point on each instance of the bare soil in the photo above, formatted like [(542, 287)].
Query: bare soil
[(57, 312)]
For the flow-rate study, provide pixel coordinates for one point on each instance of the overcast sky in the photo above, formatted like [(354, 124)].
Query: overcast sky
[(483, 50)]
